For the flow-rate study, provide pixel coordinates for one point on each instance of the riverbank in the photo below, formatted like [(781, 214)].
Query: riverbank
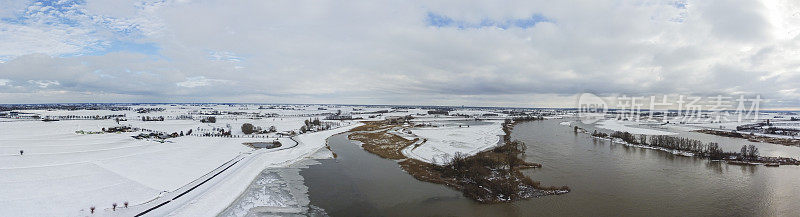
[(753, 137), (227, 190), (691, 148), (489, 176)]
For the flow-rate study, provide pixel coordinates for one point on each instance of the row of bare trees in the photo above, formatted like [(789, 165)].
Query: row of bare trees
[(113, 207), (697, 147)]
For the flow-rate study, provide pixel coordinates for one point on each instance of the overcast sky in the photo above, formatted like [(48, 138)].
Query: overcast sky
[(481, 53)]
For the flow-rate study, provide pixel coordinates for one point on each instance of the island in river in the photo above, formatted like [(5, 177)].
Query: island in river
[(488, 176)]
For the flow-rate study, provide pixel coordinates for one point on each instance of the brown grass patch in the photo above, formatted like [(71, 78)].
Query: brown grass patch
[(425, 172), (373, 126), (383, 144)]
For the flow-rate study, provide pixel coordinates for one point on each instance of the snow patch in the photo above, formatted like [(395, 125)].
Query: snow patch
[(444, 142), (616, 125)]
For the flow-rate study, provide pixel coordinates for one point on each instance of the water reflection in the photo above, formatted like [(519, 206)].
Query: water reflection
[(715, 166), (749, 169), (606, 181)]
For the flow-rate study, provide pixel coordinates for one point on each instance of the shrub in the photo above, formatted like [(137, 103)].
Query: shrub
[(248, 128), (210, 119)]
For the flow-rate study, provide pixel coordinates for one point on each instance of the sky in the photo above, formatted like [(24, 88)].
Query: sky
[(526, 53)]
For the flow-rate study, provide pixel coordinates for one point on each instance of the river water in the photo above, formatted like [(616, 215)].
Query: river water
[(606, 180)]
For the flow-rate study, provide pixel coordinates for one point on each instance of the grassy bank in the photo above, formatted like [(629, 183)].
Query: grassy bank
[(382, 143)]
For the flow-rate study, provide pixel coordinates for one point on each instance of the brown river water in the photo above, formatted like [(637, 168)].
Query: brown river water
[(606, 180)]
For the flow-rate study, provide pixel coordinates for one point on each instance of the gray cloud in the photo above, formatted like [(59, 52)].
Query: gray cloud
[(386, 53)]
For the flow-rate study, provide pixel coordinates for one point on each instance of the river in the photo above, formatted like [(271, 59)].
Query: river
[(606, 180)]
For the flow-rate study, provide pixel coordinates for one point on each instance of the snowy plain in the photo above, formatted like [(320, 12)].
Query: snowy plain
[(442, 143), (627, 126), (64, 173)]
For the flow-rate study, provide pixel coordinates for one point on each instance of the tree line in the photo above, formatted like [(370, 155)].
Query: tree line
[(711, 150)]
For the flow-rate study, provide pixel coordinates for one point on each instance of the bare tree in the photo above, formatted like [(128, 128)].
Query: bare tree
[(744, 151), (752, 151)]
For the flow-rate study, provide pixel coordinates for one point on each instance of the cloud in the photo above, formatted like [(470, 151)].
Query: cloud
[(201, 81), (736, 20), (44, 83), (11, 7), (70, 28), (125, 9), (439, 20), (511, 53), (20, 39), (224, 56)]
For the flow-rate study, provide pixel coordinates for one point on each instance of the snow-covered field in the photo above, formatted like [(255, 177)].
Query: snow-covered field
[(444, 142), (625, 126), (720, 126), (64, 173), (71, 172)]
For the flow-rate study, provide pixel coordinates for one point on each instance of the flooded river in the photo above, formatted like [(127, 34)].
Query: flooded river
[(606, 180)]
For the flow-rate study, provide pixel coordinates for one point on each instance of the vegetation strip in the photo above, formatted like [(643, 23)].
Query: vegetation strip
[(753, 137), (691, 147), (490, 176)]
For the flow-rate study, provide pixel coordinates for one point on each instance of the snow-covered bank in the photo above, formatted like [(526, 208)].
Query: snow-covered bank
[(444, 142), (671, 151), (276, 191), (232, 186), (616, 125)]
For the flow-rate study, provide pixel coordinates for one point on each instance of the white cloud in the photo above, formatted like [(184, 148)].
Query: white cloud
[(70, 28), (122, 9), (44, 83), (9, 8), (21, 39), (200, 81)]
